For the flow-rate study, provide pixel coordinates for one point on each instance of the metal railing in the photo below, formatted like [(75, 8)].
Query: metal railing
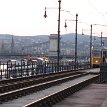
[(9, 70)]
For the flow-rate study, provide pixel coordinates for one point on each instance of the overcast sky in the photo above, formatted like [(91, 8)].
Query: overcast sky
[(25, 17)]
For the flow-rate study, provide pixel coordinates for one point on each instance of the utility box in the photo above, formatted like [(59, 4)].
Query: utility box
[(103, 73)]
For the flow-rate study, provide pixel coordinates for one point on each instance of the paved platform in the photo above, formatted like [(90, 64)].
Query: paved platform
[(94, 70), (94, 95)]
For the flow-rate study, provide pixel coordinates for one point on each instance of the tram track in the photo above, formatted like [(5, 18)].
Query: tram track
[(53, 98), (9, 85), (6, 81), (51, 93), (37, 87)]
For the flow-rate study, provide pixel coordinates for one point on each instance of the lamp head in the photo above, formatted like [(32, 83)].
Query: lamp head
[(65, 25), (45, 15)]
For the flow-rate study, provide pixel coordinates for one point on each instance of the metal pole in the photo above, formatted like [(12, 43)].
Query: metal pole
[(101, 44), (76, 42), (91, 47), (58, 51)]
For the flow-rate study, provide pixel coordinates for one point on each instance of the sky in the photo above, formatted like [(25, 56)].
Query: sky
[(25, 17)]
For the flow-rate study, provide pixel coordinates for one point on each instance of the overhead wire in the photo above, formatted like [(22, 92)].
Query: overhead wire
[(91, 4)]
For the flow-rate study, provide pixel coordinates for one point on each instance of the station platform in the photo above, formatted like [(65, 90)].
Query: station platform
[(94, 95), (94, 70)]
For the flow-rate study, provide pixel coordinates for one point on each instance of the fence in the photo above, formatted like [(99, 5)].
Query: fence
[(12, 70)]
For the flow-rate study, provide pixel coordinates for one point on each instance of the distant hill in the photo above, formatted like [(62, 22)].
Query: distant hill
[(41, 42), (80, 37), (41, 38)]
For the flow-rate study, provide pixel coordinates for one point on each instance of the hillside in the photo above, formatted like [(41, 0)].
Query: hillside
[(67, 41), (66, 37)]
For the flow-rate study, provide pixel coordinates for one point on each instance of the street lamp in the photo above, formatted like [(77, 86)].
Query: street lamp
[(76, 42), (75, 39), (101, 45), (45, 15), (58, 47), (58, 51), (91, 46)]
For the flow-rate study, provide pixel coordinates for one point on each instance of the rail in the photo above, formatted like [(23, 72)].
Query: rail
[(27, 90), (53, 98), (10, 85)]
